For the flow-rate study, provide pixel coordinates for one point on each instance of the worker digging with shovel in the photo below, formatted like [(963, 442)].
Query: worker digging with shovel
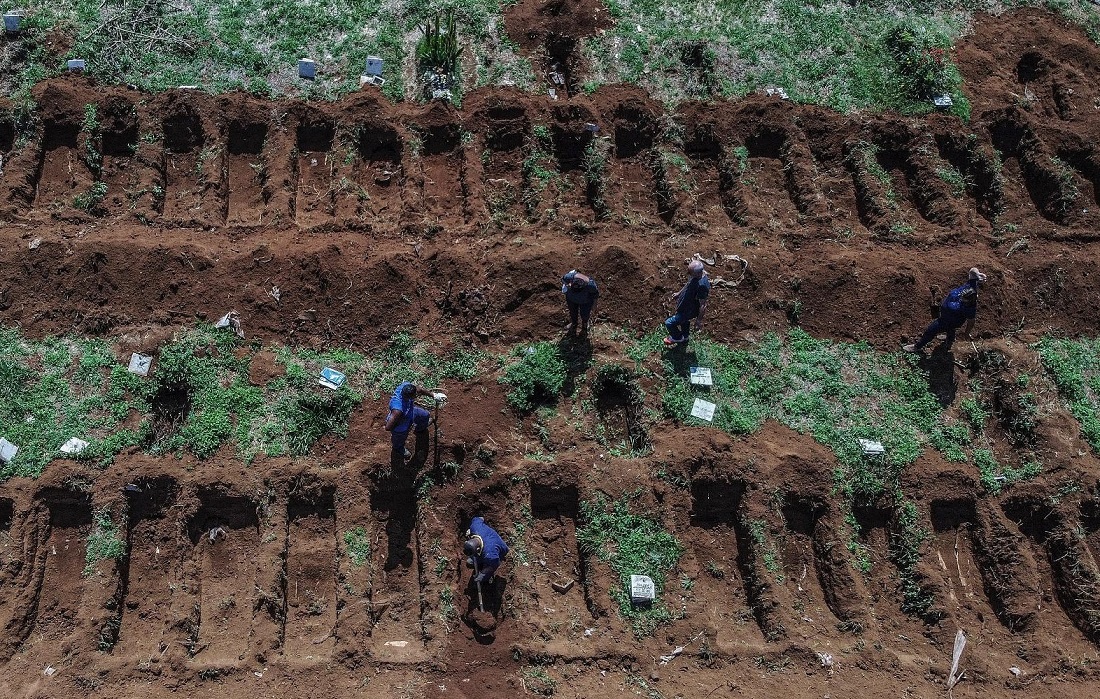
[(484, 551)]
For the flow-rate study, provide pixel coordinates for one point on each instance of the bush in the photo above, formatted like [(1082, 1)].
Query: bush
[(538, 376)]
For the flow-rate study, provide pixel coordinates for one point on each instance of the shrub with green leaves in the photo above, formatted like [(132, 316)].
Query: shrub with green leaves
[(536, 374), (631, 544)]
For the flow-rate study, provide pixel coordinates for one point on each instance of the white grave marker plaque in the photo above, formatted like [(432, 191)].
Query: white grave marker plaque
[(701, 376), (703, 409)]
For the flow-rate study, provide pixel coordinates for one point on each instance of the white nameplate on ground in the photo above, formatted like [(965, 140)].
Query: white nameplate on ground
[(74, 446), (703, 409), (872, 448), (7, 451), (700, 376), (642, 589), (140, 363), (330, 378)]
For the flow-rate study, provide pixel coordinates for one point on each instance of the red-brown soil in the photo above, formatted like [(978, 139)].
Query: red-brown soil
[(371, 217)]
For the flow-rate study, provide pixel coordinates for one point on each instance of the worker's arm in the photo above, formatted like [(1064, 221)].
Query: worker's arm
[(699, 318), (486, 568), (392, 419), (968, 326)]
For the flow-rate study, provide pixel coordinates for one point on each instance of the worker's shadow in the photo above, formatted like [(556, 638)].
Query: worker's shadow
[(577, 353), (681, 358), (940, 367)]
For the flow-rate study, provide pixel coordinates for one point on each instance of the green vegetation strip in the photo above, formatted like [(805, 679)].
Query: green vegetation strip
[(251, 45), (197, 397), (631, 544)]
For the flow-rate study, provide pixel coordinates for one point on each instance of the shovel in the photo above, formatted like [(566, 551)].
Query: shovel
[(480, 601)]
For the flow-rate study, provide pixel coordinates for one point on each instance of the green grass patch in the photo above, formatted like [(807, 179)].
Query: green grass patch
[(837, 392), (57, 388), (198, 396), (631, 544), (1074, 365), (103, 542), (357, 546)]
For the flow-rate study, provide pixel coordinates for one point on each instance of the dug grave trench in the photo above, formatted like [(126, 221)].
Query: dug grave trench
[(397, 633), (152, 571), (556, 571), (715, 565), (247, 172), (311, 594), (225, 536), (67, 516)]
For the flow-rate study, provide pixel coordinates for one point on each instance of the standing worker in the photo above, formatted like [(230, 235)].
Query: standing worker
[(405, 414), (484, 550), (958, 308), (580, 296), (691, 304)]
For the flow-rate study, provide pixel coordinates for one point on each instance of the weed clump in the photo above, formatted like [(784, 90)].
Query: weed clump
[(357, 545), (103, 542), (536, 375)]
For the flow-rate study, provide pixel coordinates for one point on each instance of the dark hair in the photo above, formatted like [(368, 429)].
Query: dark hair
[(470, 547), (408, 390)]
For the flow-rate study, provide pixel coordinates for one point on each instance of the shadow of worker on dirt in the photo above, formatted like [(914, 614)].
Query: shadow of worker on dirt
[(484, 623), (940, 367), (681, 358), (576, 352)]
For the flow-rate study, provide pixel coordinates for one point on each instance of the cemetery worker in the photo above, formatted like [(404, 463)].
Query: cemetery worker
[(691, 304), (580, 296), (484, 550), (957, 309), (405, 414)]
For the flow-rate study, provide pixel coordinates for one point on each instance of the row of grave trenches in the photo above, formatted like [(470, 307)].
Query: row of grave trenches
[(219, 576), (188, 159)]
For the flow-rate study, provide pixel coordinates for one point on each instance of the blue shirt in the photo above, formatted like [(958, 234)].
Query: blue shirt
[(582, 296), (404, 405), (696, 292), (953, 311), (494, 550)]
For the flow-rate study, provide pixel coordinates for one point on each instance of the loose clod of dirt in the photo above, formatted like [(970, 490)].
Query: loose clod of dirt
[(457, 225)]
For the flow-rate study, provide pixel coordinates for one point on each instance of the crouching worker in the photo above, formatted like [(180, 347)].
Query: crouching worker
[(957, 309), (484, 551), (404, 415)]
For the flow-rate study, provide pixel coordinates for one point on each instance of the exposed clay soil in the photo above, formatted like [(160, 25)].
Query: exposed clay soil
[(371, 217)]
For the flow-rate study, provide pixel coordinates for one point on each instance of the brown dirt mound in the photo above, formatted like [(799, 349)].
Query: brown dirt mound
[(370, 217)]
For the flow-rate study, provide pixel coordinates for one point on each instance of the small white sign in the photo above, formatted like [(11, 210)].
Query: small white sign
[(703, 409), (642, 589), (74, 446), (871, 447), (701, 376), (7, 451), (139, 364)]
